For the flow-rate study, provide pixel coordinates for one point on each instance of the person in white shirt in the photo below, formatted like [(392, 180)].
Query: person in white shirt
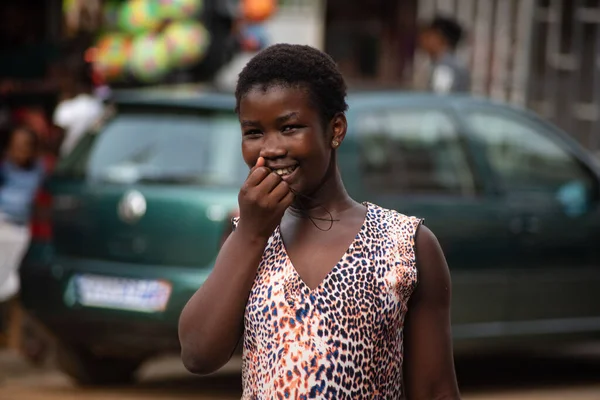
[(77, 113), (440, 39)]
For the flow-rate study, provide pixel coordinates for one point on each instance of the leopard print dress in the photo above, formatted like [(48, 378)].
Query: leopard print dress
[(342, 339)]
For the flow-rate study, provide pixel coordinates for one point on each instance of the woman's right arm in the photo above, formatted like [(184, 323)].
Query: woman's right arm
[(211, 323)]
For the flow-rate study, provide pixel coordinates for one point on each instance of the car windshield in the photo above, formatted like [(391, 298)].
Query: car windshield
[(168, 148)]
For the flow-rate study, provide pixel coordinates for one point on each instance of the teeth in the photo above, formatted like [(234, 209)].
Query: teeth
[(285, 171)]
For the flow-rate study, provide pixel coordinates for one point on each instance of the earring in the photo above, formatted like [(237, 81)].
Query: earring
[(335, 143)]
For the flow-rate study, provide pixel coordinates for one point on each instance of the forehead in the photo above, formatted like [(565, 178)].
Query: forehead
[(427, 32), (20, 136), (263, 102)]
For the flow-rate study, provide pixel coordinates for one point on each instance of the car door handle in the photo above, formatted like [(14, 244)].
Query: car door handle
[(516, 225), (519, 225)]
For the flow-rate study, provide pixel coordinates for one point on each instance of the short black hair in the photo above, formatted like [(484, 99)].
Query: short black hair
[(296, 66), (449, 28)]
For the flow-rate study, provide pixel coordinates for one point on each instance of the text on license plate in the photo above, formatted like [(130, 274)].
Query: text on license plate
[(122, 293)]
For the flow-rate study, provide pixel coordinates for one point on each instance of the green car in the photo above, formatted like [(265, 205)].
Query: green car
[(129, 225)]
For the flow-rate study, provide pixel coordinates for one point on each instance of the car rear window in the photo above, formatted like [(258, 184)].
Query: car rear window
[(162, 147)]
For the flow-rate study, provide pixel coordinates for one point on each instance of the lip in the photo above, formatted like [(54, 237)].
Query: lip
[(287, 178), (290, 178), (274, 167)]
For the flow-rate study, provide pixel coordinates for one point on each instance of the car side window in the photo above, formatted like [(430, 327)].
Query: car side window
[(527, 159), (415, 151), (523, 155)]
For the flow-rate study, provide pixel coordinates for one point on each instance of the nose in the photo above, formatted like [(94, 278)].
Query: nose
[(273, 146)]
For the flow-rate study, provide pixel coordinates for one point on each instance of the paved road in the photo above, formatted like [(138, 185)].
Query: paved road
[(482, 378)]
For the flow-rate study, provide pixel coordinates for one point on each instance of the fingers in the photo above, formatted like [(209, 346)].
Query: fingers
[(264, 184), (280, 191), (280, 198), (259, 163), (269, 183), (257, 175)]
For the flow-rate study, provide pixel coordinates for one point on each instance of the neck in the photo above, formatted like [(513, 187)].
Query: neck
[(437, 56), (329, 197), (23, 165)]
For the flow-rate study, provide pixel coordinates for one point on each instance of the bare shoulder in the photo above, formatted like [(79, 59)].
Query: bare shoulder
[(426, 241), (434, 275)]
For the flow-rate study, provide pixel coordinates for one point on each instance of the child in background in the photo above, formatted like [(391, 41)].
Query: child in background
[(21, 172), (440, 39)]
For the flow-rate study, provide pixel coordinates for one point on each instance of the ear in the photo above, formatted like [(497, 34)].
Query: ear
[(339, 126)]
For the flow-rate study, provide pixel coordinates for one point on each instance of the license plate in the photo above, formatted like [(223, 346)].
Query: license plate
[(123, 294)]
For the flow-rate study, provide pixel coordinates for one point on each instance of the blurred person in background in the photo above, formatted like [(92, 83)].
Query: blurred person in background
[(21, 172), (439, 39), (36, 119), (78, 109)]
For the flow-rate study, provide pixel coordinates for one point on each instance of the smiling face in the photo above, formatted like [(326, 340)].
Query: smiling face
[(281, 125)]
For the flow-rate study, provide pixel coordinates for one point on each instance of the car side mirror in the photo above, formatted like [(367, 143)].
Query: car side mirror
[(576, 198)]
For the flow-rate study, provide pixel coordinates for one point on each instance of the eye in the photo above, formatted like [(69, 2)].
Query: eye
[(290, 128), (252, 133)]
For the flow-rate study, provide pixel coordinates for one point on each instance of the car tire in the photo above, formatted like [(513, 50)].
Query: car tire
[(88, 369)]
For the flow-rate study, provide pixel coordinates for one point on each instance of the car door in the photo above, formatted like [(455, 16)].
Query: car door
[(415, 160), (552, 195)]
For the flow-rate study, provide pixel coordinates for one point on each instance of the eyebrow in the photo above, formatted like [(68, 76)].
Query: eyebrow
[(249, 123), (278, 120), (286, 117)]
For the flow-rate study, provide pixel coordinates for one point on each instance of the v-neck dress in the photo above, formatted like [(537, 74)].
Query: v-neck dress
[(344, 338)]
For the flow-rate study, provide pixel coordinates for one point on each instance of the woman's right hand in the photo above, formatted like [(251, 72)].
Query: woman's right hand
[(212, 322), (263, 199)]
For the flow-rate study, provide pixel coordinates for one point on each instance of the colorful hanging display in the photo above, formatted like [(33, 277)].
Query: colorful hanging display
[(111, 55), (110, 13), (137, 16), (148, 39), (254, 11), (187, 42), (150, 59), (180, 9)]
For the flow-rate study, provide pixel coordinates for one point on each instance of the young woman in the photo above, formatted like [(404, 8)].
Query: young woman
[(333, 298)]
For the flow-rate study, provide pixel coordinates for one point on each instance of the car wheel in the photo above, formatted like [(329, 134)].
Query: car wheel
[(88, 369)]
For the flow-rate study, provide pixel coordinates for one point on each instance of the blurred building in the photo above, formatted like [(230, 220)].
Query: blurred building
[(543, 54), (372, 41), (296, 21)]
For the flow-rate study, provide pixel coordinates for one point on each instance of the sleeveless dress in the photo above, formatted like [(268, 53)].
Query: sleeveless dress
[(342, 339)]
